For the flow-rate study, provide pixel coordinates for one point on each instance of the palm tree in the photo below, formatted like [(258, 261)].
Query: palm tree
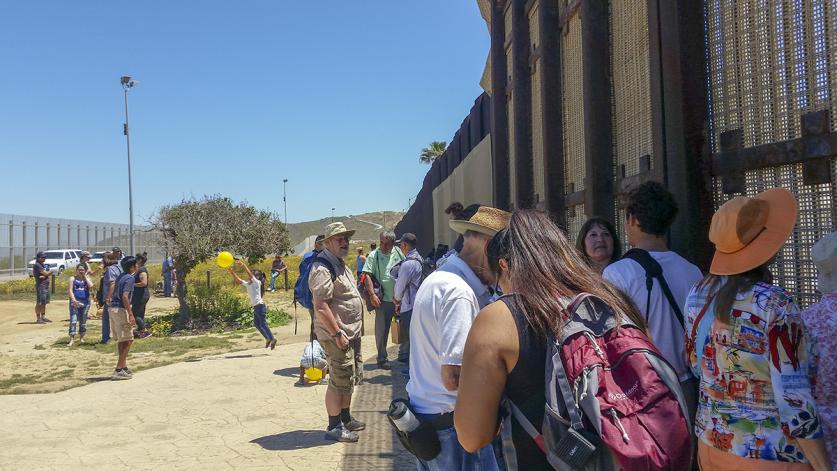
[(433, 152)]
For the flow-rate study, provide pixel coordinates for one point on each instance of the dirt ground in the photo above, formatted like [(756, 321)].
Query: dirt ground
[(34, 358)]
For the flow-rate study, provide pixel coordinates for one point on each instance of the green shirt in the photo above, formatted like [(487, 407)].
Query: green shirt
[(379, 266)]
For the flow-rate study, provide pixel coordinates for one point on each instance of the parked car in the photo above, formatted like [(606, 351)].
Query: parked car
[(97, 257), (57, 261)]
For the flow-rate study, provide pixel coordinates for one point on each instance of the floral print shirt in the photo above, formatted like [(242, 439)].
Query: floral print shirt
[(821, 324), (755, 396)]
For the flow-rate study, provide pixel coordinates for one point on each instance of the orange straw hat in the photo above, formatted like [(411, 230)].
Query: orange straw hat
[(747, 232)]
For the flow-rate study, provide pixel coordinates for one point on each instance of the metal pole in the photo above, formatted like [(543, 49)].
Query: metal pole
[(130, 188), (285, 199)]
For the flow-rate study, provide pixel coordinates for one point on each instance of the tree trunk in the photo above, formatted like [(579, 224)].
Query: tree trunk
[(184, 316)]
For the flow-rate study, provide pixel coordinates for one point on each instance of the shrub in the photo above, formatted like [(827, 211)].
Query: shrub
[(215, 306)]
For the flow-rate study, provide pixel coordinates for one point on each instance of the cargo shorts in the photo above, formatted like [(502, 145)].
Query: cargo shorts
[(120, 327), (345, 367)]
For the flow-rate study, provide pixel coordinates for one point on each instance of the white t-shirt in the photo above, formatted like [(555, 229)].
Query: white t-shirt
[(444, 309), (254, 291), (666, 331)]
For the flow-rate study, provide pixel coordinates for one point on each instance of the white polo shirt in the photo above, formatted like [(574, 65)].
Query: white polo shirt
[(445, 306)]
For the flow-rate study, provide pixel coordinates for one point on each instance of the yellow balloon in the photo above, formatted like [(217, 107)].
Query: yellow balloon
[(224, 259), (314, 374)]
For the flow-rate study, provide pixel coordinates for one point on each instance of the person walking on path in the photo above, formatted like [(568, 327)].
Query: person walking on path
[(168, 266), (141, 296), (276, 268), (122, 320), (406, 285), (361, 261), (598, 243), (821, 321), (446, 304), (255, 291), (112, 272), (378, 264), (649, 212), (78, 291), (42, 276), (337, 304), (747, 344)]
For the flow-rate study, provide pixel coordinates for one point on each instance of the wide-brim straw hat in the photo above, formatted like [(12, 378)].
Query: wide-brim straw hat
[(824, 256), (336, 229), (747, 232), (486, 220)]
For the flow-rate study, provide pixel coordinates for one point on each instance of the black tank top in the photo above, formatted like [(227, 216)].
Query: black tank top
[(525, 387)]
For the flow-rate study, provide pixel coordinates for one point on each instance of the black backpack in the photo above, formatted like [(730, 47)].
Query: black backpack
[(428, 266), (654, 270)]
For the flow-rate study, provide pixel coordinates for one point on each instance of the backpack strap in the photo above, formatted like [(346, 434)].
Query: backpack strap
[(700, 328), (326, 263), (654, 270)]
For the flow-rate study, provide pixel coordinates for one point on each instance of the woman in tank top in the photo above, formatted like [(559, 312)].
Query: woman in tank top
[(496, 364)]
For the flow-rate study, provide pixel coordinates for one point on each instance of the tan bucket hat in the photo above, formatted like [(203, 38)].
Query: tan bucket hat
[(486, 220), (747, 232), (336, 229), (824, 255)]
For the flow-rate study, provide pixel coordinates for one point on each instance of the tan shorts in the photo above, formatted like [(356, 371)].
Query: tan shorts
[(120, 328), (344, 366)]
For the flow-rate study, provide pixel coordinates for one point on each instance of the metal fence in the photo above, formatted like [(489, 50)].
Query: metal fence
[(21, 237)]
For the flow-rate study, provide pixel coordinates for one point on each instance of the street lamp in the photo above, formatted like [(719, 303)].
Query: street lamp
[(285, 198), (332, 214), (128, 83)]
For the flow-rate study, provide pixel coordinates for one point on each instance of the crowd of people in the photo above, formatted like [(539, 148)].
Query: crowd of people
[(750, 375)]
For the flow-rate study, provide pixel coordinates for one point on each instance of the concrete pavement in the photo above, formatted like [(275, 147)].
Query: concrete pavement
[(232, 411)]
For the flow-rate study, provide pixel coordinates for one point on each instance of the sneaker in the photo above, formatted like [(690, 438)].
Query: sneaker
[(272, 344), (384, 365), (120, 375), (144, 334), (301, 382), (45, 319), (104, 342), (341, 434), (267, 344), (40, 321), (354, 425), (128, 372)]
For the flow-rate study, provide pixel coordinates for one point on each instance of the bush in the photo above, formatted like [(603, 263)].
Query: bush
[(215, 306), (275, 318), (160, 326)]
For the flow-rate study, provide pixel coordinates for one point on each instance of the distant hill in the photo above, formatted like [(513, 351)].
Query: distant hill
[(367, 226)]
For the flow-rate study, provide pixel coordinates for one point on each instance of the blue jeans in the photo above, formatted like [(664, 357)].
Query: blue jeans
[(260, 321), (404, 327), (79, 315), (167, 285), (273, 276), (105, 323), (453, 457)]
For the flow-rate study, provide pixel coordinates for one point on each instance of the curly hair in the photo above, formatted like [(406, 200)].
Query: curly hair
[(653, 206)]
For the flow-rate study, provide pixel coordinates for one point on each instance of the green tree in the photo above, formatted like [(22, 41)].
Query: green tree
[(194, 231), (434, 151)]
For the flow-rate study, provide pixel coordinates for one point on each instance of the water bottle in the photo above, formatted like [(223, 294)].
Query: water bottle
[(403, 417)]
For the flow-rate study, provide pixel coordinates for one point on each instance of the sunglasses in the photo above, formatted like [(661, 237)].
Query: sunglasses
[(342, 238)]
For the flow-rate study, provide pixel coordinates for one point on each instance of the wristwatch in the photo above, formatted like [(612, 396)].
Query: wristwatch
[(338, 334)]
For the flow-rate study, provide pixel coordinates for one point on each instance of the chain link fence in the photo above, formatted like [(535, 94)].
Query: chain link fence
[(21, 237)]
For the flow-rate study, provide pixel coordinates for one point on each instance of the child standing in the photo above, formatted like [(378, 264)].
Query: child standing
[(79, 293), (255, 290)]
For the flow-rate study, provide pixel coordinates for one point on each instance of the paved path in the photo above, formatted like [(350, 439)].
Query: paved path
[(233, 411)]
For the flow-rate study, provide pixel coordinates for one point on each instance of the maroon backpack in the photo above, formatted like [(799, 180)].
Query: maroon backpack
[(612, 401)]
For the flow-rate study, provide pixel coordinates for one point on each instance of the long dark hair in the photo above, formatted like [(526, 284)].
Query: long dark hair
[(544, 266), (582, 234), (726, 292), (259, 275)]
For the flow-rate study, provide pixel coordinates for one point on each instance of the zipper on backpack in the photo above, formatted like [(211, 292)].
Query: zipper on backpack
[(618, 424), (596, 347)]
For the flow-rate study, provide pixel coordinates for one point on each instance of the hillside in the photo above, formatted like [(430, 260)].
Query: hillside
[(366, 225)]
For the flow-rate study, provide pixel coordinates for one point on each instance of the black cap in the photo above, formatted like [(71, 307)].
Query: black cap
[(40, 255), (408, 238), (127, 262), (319, 238), (116, 249)]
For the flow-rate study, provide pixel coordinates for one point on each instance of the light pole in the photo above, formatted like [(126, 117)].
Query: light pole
[(332, 214), (285, 199), (409, 203), (128, 83)]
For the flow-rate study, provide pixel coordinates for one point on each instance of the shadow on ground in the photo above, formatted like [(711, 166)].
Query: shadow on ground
[(295, 440), (292, 372)]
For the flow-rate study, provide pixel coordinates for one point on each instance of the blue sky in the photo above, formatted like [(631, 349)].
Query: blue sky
[(339, 97)]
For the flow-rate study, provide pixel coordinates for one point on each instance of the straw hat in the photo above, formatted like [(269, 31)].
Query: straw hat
[(486, 220), (747, 232), (824, 255), (336, 229)]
